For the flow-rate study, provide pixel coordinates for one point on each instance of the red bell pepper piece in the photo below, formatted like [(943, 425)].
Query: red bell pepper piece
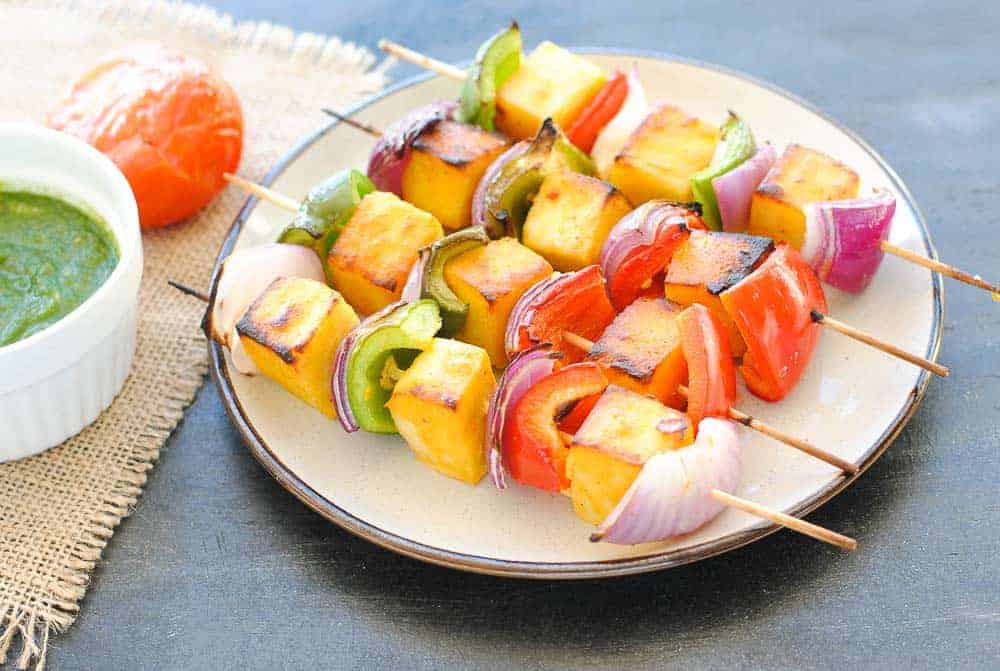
[(573, 419), (532, 447), (595, 116), (576, 302), (711, 373), (771, 308), (642, 272)]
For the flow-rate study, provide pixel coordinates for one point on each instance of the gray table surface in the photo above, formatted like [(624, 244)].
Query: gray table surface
[(221, 568)]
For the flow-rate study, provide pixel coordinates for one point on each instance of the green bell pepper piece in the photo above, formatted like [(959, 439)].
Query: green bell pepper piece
[(496, 60), (325, 211), (736, 146), (388, 342), (509, 196), (454, 310)]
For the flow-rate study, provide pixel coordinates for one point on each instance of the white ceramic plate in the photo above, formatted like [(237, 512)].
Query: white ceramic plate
[(852, 400)]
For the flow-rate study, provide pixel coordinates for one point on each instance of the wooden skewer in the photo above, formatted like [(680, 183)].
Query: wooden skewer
[(939, 267), (748, 421), (185, 289), (263, 192), (783, 519), (354, 123), (878, 344), (284, 201), (418, 59)]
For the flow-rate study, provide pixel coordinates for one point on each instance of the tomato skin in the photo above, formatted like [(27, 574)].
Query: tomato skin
[(596, 115), (772, 310), (170, 124), (711, 373), (533, 449)]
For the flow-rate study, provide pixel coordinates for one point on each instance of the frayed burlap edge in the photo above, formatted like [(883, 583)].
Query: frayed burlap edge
[(39, 610)]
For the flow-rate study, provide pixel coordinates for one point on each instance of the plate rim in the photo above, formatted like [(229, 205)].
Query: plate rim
[(289, 480)]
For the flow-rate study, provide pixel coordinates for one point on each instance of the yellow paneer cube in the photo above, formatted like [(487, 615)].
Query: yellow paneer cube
[(708, 263), (490, 279), (445, 166), (551, 82), (291, 333), (439, 406), (641, 350), (373, 255), (571, 217), (800, 176), (661, 155), (621, 433)]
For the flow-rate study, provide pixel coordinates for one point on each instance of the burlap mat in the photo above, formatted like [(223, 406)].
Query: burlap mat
[(58, 510)]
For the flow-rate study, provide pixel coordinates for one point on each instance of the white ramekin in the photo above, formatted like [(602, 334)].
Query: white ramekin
[(59, 380)]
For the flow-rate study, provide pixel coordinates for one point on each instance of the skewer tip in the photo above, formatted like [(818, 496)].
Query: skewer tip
[(185, 289)]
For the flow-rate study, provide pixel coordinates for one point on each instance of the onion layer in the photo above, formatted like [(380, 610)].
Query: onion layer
[(244, 276), (640, 246), (523, 371), (480, 212), (843, 241), (671, 495), (617, 132), (391, 154), (734, 189)]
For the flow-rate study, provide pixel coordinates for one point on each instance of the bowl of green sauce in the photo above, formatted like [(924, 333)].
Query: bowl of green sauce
[(70, 266)]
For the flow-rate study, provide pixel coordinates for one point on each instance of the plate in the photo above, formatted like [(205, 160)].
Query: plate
[(852, 400)]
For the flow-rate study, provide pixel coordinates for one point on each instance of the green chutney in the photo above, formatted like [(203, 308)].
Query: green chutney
[(53, 256)]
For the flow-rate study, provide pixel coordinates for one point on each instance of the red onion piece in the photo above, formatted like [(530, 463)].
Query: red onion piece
[(523, 311), (734, 189), (523, 371), (648, 229), (843, 241), (671, 495), (339, 382), (415, 279), (391, 154), (616, 133), (480, 217)]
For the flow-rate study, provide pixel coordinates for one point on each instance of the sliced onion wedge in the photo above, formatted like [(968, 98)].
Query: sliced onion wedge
[(640, 246), (480, 212), (613, 137), (523, 371), (734, 189), (244, 276), (391, 154), (843, 241), (671, 495)]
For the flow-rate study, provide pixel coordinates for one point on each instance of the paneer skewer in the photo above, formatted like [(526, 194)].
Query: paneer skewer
[(781, 265), (846, 247), (450, 381)]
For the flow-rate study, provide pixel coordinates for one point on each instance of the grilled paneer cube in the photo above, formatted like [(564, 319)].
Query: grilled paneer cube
[(551, 82), (445, 166), (490, 279), (800, 176), (291, 333), (662, 154), (708, 263), (571, 217), (373, 255), (621, 433), (641, 351), (439, 406)]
